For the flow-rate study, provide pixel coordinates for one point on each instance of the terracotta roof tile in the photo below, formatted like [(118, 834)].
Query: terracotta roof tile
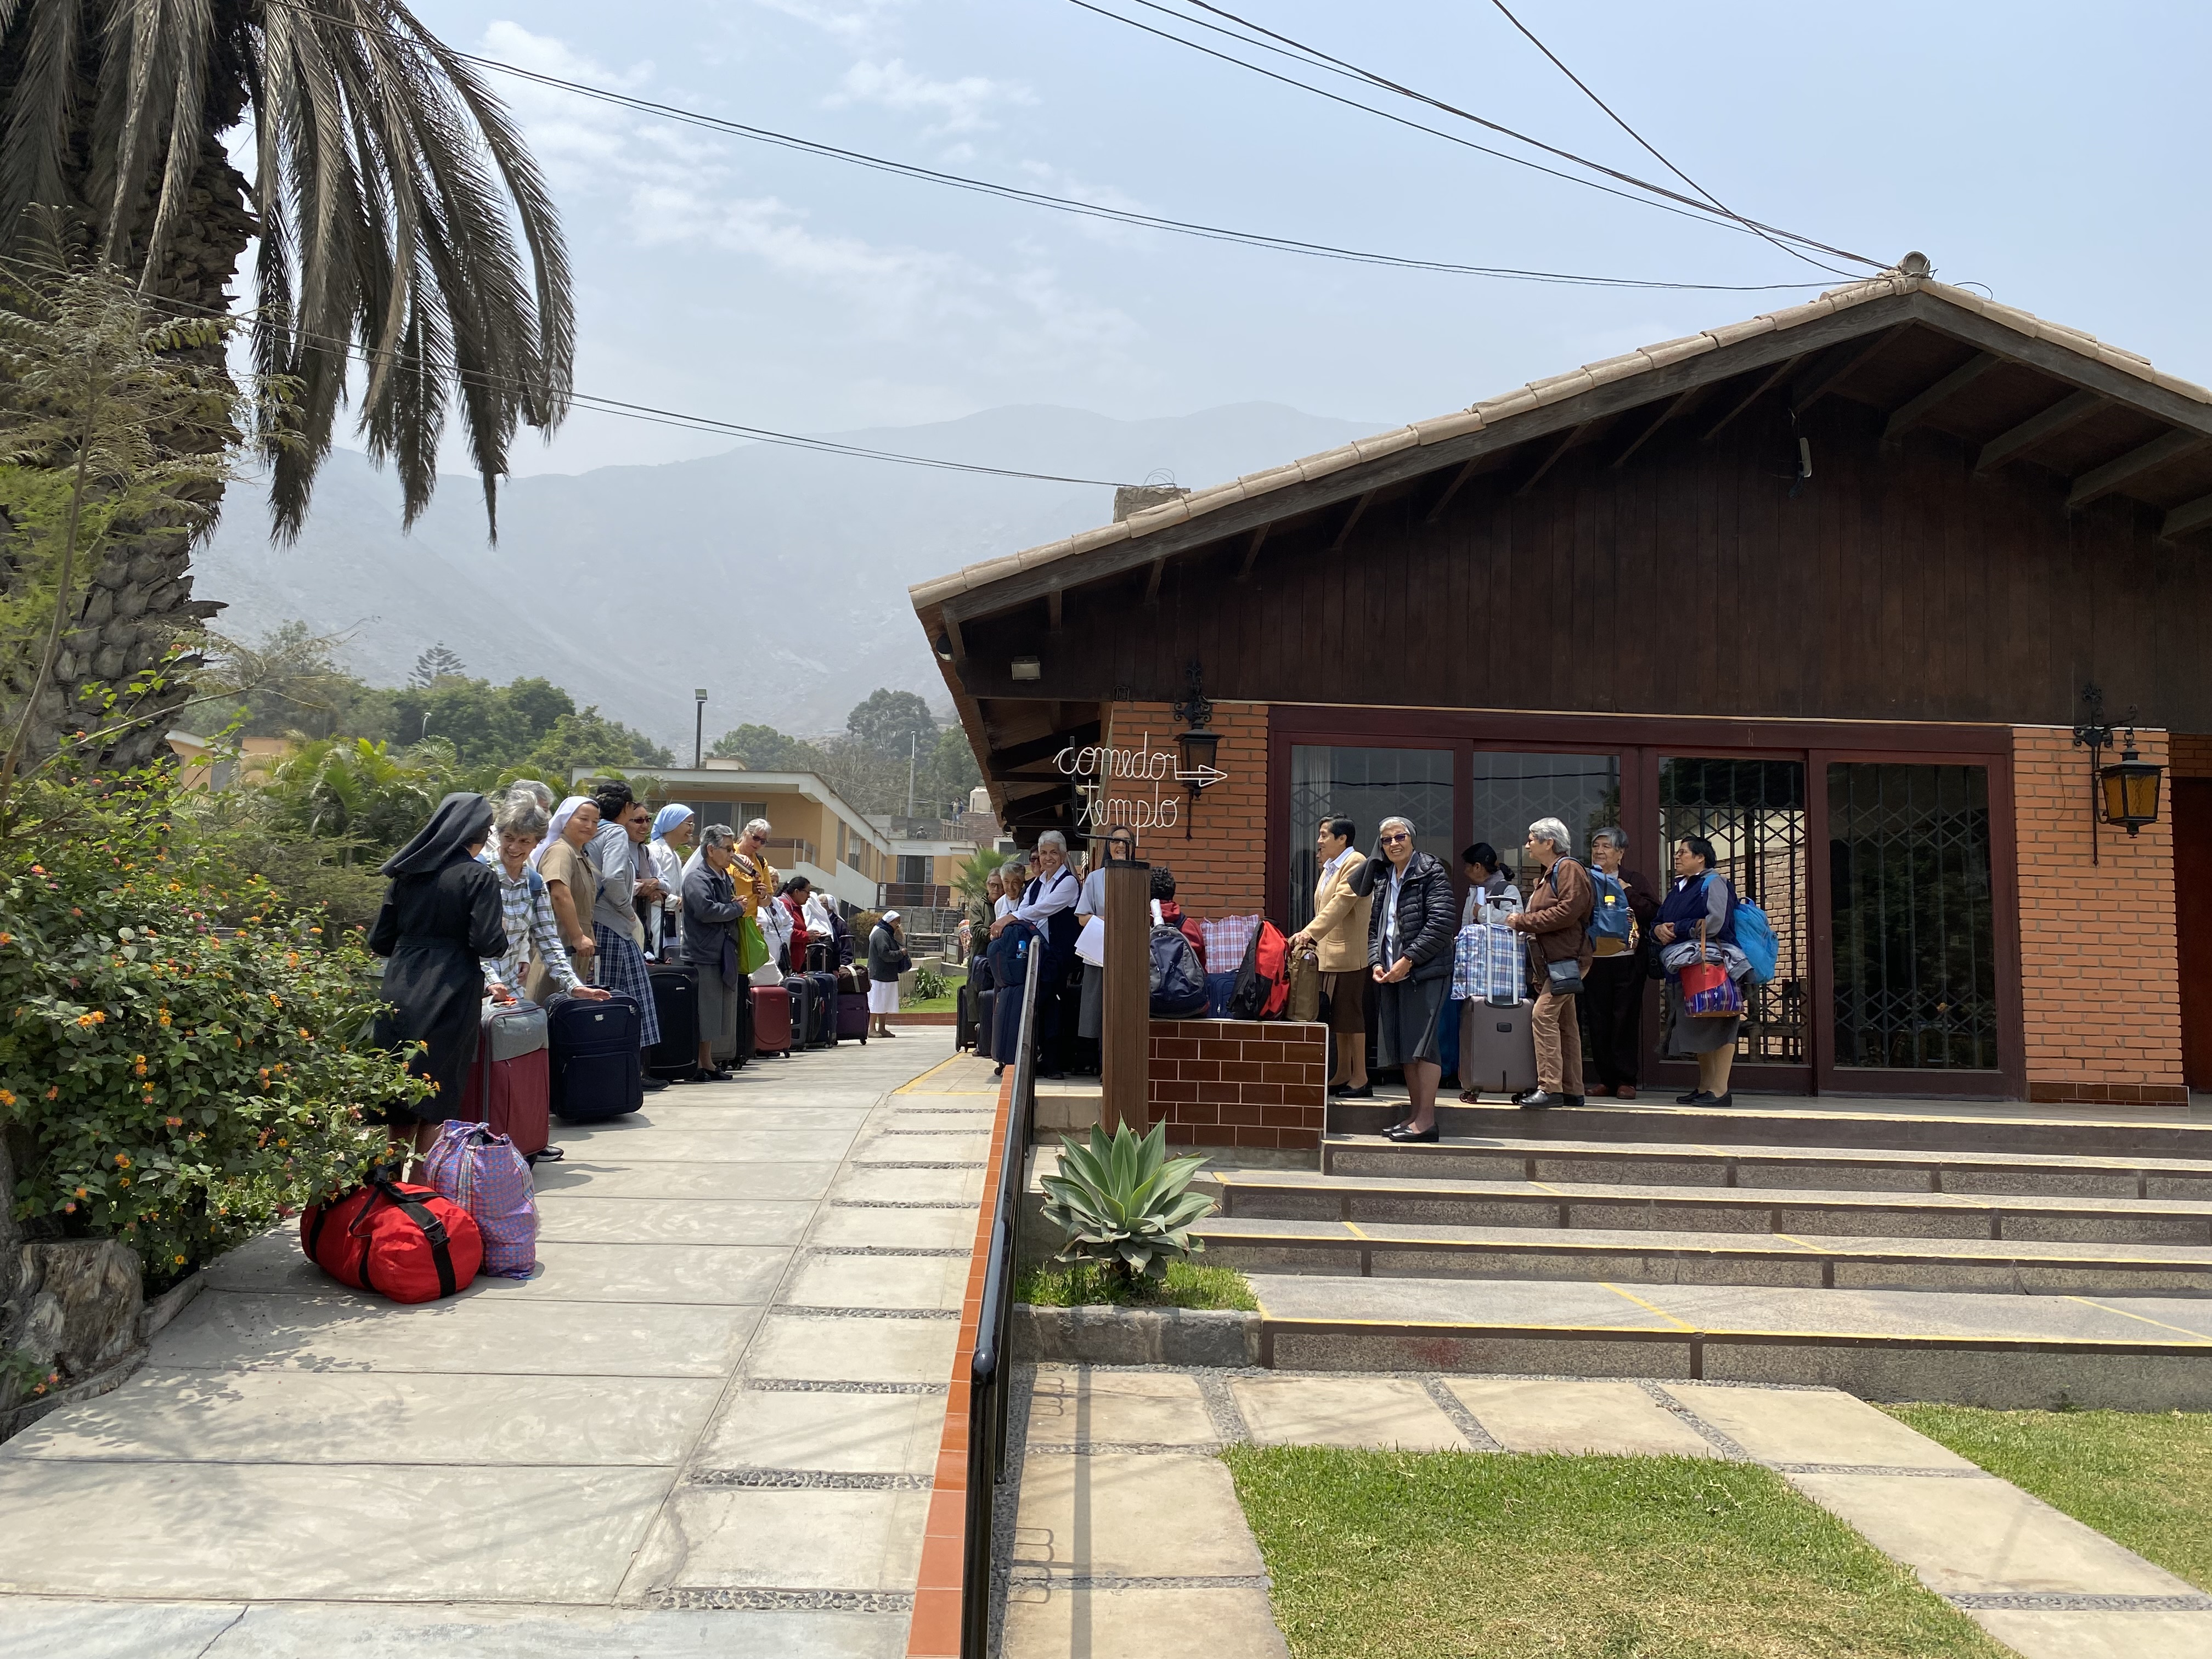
[(1437, 427)]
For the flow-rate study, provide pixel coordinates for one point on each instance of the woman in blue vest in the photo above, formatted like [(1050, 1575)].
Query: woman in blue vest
[(1700, 894), (1047, 905)]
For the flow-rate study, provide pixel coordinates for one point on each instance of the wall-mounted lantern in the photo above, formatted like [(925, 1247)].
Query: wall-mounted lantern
[(2126, 792), (1196, 744)]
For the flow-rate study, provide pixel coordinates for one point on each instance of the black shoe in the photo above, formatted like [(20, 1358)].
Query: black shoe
[(1537, 1101), (1695, 1098), (1570, 1100), (654, 1084), (1521, 1095), (1727, 1099), (718, 1075), (1406, 1135)]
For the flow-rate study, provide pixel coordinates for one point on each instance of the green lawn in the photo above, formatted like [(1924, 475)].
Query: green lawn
[(955, 978), (1445, 1555), (2144, 1478), (1189, 1285)]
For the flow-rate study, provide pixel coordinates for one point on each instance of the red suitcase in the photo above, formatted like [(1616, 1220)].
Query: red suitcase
[(509, 1089), (771, 1020)]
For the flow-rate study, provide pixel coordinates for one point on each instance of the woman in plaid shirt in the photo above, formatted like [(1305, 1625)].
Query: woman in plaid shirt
[(526, 910)]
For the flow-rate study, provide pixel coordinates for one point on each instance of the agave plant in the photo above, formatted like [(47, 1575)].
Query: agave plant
[(1123, 1203)]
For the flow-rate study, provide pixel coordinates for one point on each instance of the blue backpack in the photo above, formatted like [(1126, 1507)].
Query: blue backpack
[(1178, 986), (1754, 937), (1610, 917)]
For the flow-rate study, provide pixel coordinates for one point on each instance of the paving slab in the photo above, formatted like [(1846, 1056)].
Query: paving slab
[(1976, 1537), (1057, 1621), (41, 1627), (757, 1538), (705, 1143), (540, 1336), (331, 1417), (372, 1531), (911, 1186), (1813, 1425), (1131, 1515), (566, 1271), (485, 1632), (853, 1349), (1544, 1415), (1077, 1406), (577, 1218), (1345, 1411), (854, 1433), (678, 1184), (950, 1226), (877, 1281), (2108, 1634)]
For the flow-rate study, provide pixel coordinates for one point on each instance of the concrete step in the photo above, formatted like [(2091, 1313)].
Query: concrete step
[(1301, 1195), (2129, 1353), (1777, 1120), (1653, 1257), (1674, 1163)]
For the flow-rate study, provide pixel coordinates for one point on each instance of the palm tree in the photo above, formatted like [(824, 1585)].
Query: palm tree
[(401, 224)]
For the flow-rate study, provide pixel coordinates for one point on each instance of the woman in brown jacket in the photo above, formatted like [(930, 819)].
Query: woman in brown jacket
[(1338, 933), (1557, 922)]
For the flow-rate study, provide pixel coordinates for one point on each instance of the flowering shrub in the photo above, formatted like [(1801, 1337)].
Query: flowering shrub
[(176, 1084)]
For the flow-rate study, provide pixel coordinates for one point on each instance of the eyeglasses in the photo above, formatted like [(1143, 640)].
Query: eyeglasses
[(1392, 841)]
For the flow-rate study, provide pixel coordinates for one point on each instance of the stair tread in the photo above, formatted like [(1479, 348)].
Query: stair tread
[(1595, 1191), (1995, 1115), (1679, 1150), (1717, 1310), (1264, 1229)]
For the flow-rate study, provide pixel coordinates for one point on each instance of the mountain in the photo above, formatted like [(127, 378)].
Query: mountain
[(775, 577)]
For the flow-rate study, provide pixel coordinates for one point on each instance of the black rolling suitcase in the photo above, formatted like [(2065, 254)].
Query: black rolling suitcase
[(742, 1048), (963, 1017), (675, 1000), (986, 1025), (803, 1015), (825, 999), (594, 1070)]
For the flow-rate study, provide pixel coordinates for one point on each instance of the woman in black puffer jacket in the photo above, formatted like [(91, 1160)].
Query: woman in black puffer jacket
[(1410, 930)]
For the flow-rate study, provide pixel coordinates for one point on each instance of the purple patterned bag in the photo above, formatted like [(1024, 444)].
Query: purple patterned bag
[(483, 1173)]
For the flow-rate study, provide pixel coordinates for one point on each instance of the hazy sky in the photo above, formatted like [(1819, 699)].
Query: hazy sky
[(2054, 152)]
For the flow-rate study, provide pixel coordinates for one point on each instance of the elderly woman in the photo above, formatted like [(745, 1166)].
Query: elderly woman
[(713, 906), (1048, 904), (527, 907), (887, 960), (672, 827), (1410, 927), (439, 919), (572, 886), (1614, 987), (1700, 894), (1556, 919)]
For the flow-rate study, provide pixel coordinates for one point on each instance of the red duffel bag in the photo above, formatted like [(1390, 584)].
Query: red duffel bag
[(396, 1238)]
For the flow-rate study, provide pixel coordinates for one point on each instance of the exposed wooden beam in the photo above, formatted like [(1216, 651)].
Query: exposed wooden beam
[(1667, 411), (952, 637), (1772, 378), (1055, 604), (1035, 749), (1567, 440), (1252, 552), (2190, 515), (1153, 581), (1821, 381), (1458, 480), (1918, 408), (2104, 480), (2070, 411), (1344, 531)]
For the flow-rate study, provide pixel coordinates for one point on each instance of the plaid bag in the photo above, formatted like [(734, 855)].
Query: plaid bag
[(1471, 964), (1490, 963), (1226, 938), (483, 1174)]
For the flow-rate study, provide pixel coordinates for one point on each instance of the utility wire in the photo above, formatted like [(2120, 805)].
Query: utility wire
[(1656, 195), (1068, 205)]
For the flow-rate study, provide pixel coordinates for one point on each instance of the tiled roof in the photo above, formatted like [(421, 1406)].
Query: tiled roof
[(1538, 394)]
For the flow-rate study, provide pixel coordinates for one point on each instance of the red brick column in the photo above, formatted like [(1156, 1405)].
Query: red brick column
[(2100, 989), (1239, 1082), (1220, 865)]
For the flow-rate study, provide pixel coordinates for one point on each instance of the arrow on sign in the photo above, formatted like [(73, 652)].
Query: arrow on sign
[(1204, 777)]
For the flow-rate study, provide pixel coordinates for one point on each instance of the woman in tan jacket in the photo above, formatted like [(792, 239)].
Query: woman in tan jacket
[(1338, 933)]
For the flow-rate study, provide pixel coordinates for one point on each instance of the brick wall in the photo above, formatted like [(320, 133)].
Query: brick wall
[(2100, 991), (2191, 755), (1220, 866), (1239, 1082)]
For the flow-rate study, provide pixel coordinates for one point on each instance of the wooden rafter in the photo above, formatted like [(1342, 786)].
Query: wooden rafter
[(1351, 519), (2190, 515), (1152, 580), (1252, 552), (2068, 411), (952, 637), (1035, 749), (1821, 382), (1458, 481), (2103, 480), (1054, 606), (1772, 378), (1567, 441), (1667, 411), (1918, 408)]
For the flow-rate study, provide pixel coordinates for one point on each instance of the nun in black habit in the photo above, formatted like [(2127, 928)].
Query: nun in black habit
[(440, 918)]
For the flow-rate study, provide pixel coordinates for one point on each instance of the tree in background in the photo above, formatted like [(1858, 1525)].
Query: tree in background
[(395, 211), (764, 748), (952, 773), (440, 662), (888, 720), (590, 738), (290, 682)]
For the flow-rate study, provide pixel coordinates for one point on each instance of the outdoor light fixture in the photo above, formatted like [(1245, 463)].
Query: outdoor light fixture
[(1028, 668), (1195, 746), (943, 646), (2126, 791)]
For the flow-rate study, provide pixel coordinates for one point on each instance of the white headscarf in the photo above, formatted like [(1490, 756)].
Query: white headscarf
[(561, 814)]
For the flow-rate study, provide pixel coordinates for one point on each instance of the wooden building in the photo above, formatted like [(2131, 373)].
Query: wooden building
[(1826, 585)]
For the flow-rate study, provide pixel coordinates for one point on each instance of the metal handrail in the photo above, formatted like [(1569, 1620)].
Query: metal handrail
[(987, 1374)]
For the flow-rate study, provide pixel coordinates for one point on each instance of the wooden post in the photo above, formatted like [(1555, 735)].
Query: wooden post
[(1126, 1021)]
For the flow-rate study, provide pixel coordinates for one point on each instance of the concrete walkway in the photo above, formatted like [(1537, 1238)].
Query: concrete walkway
[(1129, 1544), (706, 1427)]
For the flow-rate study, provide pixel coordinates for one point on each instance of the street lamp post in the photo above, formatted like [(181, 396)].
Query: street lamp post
[(699, 731)]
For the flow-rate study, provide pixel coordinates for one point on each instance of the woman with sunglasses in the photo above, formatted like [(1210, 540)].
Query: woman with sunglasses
[(1410, 929)]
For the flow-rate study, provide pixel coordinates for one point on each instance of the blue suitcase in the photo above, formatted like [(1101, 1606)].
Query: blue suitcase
[(595, 1068)]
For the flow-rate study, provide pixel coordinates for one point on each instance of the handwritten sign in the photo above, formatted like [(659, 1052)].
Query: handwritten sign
[(1147, 805)]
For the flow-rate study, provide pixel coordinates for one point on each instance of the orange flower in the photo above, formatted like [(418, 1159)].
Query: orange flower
[(122, 1161), (139, 1065), (180, 1262), (174, 1122), (37, 870), (54, 1093), (123, 1180), (162, 1018), (6, 1098), (305, 1035), (81, 1192)]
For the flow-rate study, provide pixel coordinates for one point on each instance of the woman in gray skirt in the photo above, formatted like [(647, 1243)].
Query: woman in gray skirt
[(1700, 894), (1410, 929), (708, 920)]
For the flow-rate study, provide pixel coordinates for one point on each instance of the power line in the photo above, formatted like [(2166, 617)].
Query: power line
[(1659, 196), (1069, 204)]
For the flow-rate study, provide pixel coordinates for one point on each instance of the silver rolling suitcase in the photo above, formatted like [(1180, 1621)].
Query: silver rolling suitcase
[(1497, 1047)]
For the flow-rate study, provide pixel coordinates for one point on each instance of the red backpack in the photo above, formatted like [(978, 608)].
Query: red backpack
[(1263, 979), (395, 1238)]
